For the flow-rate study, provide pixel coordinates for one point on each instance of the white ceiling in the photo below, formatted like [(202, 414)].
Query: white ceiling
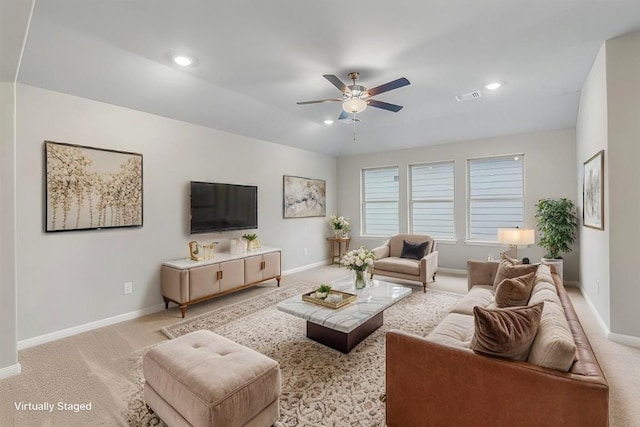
[(255, 59)]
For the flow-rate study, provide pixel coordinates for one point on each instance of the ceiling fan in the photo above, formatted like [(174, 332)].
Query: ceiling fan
[(355, 98)]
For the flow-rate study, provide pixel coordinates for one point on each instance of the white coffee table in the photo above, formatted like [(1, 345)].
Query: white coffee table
[(345, 327)]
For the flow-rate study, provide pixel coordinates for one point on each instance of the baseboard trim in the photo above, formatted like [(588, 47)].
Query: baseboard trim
[(306, 267), (629, 340), (52, 336), (595, 312), (456, 271), (10, 371)]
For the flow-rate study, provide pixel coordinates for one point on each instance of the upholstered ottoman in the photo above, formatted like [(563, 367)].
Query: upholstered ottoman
[(203, 379)]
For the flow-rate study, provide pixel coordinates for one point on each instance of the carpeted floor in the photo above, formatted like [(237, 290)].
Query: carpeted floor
[(320, 386), (99, 366)]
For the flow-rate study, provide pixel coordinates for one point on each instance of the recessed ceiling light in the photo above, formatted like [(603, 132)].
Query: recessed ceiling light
[(493, 86), (328, 122), (183, 61)]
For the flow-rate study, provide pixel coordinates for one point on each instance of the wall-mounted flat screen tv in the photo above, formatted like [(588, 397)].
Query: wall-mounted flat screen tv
[(221, 207)]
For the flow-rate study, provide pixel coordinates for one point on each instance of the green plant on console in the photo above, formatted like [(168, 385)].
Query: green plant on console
[(557, 223), (250, 237)]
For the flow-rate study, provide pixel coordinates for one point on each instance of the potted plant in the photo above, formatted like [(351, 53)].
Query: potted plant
[(323, 291), (251, 240), (557, 222)]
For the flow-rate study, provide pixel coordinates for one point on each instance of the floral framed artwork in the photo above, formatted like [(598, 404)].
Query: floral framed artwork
[(91, 188), (593, 192), (304, 197)]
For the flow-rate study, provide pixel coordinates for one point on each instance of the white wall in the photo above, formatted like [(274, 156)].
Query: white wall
[(591, 137), (8, 349), (550, 170), (72, 278), (623, 95)]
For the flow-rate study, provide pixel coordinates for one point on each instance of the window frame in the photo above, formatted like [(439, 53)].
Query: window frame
[(411, 200), (468, 239), (363, 223)]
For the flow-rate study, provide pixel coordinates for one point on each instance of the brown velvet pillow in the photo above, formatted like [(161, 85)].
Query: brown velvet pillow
[(506, 332), (514, 292), (506, 270)]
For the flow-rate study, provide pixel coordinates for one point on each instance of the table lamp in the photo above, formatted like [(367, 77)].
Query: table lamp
[(515, 237)]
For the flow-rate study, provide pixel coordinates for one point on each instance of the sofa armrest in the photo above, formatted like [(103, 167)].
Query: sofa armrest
[(481, 273), (428, 266), (429, 384), (381, 251)]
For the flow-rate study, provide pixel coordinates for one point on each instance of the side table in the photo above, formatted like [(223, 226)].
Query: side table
[(339, 241)]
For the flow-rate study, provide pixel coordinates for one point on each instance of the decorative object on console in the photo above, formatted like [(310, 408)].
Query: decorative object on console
[(252, 241), (200, 252), (304, 197), (359, 260), (91, 188), (339, 225), (557, 223), (515, 237), (593, 192)]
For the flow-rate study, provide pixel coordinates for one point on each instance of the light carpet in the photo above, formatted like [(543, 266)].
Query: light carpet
[(320, 386)]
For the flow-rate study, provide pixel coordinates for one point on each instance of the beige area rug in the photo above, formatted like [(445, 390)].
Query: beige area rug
[(321, 386)]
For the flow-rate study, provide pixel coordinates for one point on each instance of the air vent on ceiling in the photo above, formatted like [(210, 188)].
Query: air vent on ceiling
[(469, 96)]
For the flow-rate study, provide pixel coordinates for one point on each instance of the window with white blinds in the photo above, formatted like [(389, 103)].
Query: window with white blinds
[(496, 196), (432, 199), (380, 193)]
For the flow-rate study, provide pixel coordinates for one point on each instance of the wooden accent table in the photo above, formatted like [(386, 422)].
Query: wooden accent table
[(339, 241)]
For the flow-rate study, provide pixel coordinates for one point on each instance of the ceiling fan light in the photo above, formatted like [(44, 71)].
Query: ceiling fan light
[(354, 105)]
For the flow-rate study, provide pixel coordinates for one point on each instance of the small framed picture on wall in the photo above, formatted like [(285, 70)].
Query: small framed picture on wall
[(593, 192)]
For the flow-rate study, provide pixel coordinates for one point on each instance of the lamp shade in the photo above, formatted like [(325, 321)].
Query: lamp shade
[(354, 105), (516, 236)]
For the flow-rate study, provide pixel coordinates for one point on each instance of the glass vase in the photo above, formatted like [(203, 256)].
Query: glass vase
[(359, 280), (337, 233)]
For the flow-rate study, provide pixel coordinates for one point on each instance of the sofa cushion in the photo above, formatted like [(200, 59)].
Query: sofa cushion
[(398, 265), (414, 250), (506, 332), (478, 295), (455, 330), (514, 292), (554, 346), (506, 270)]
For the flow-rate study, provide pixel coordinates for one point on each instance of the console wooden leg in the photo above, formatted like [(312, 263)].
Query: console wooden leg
[(183, 310)]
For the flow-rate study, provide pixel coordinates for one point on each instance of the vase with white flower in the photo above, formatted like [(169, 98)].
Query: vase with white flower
[(339, 225), (359, 260)]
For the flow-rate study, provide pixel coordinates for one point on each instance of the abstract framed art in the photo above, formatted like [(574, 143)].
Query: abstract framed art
[(304, 197), (89, 188), (593, 192)]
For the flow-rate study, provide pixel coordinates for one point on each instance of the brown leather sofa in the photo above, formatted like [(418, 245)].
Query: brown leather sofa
[(389, 263), (439, 381)]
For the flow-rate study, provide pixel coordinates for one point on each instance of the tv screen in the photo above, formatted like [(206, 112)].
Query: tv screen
[(220, 207)]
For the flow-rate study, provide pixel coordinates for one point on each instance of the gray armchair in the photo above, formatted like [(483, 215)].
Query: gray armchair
[(389, 263)]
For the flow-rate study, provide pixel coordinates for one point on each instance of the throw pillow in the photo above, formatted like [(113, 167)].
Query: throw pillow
[(506, 270), (514, 292), (512, 261), (413, 250), (506, 332)]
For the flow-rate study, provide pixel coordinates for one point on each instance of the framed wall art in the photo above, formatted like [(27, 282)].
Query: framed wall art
[(89, 188), (304, 197), (593, 192)]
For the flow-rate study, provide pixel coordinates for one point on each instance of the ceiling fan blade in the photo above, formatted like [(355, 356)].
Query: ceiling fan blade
[(343, 115), (337, 82), (385, 105), (388, 86), (319, 101)]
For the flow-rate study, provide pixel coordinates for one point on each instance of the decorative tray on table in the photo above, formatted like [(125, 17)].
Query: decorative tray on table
[(347, 298)]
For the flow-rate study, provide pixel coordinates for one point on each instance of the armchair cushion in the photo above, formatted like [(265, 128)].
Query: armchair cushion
[(399, 265), (414, 250)]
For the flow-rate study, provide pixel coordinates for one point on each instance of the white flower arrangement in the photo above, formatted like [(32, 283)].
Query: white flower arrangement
[(358, 259), (339, 223)]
